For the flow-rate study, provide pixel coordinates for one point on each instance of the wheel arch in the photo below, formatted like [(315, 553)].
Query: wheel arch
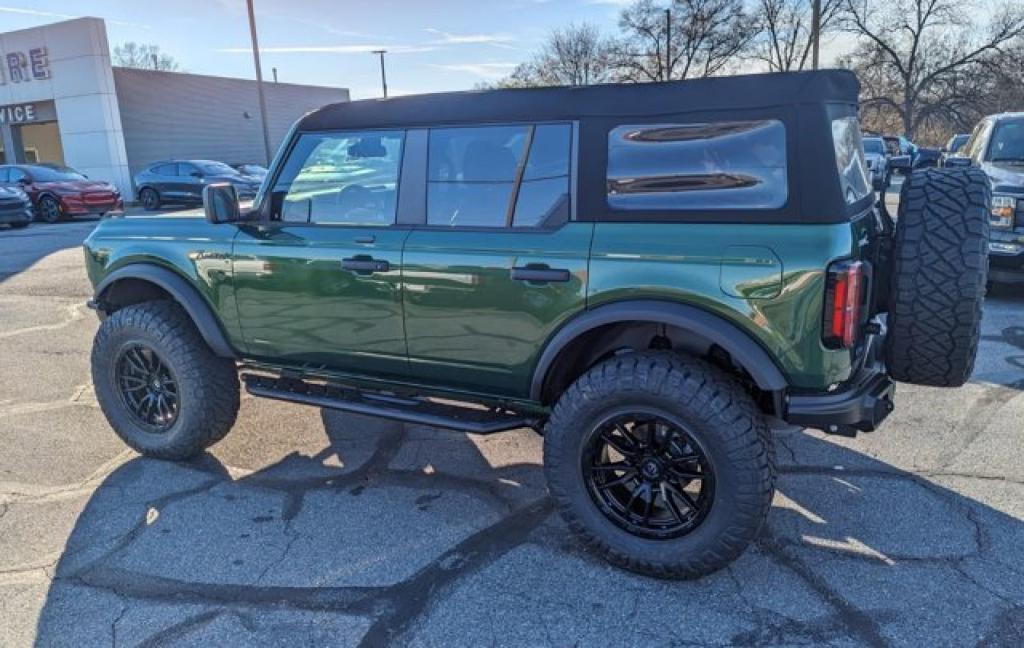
[(584, 339), (138, 282)]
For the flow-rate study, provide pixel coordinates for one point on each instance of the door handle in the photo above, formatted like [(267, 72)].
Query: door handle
[(366, 239), (543, 275), (365, 265)]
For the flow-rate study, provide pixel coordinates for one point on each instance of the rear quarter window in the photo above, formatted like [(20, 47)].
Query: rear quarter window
[(853, 169), (698, 166)]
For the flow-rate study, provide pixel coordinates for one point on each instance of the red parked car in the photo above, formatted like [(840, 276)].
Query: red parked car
[(60, 192)]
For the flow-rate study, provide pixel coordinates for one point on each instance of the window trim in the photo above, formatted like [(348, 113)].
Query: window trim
[(412, 187)]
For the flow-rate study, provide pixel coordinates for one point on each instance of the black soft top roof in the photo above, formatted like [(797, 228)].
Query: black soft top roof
[(562, 103)]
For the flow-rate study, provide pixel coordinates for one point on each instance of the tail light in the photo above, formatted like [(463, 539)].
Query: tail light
[(843, 297)]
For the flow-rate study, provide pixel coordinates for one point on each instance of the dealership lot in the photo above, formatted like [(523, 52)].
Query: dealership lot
[(312, 527)]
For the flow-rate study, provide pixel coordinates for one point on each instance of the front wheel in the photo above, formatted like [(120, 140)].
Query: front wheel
[(50, 210), (160, 386), (661, 464)]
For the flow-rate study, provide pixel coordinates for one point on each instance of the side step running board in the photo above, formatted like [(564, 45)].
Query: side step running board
[(409, 410)]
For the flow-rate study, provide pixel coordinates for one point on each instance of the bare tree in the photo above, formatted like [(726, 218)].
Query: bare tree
[(574, 56), (144, 56), (695, 38), (922, 61), (784, 40)]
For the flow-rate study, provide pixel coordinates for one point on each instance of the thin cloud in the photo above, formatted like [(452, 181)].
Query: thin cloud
[(488, 71), (330, 49), (445, 38), (52, 14)]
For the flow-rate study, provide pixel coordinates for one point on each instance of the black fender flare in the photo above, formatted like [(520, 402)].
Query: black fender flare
[(744, 350), (183, 293)]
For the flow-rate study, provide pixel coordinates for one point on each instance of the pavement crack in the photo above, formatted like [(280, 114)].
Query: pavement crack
[(113, 625), (410, 598), (858, 622)]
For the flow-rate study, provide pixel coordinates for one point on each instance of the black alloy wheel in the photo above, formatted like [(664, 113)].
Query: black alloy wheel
[(647, 475), (50, 210), (150, 199), (147, 387)]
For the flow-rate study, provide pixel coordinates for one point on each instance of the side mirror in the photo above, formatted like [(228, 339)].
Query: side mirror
[(196, 174), (900, 162), (23, 181), (220, 203), (958, 161)]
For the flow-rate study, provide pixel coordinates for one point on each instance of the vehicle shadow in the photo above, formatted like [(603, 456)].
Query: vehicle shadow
[(377, 528), (20, 249)]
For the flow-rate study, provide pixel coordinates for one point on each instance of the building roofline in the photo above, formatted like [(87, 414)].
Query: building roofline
[(131, 70)]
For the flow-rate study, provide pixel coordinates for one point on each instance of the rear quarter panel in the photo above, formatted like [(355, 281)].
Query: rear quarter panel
[(766, 279)]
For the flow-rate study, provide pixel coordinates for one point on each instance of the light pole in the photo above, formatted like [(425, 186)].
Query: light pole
[(383, 76), (259, 81), (815, 31), (668, 44)]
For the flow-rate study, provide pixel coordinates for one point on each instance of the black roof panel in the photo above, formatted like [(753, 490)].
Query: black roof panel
[(611, 100)]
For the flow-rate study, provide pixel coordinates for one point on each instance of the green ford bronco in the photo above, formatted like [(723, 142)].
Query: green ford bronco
[(650, 276)]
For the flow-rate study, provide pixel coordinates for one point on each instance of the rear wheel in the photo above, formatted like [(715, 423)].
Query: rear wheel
[(160, 386), (150, 199), (49, 210), (660, 463), (938, 276)]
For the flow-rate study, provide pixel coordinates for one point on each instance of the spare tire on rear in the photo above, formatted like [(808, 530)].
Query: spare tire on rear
[(938, 275)]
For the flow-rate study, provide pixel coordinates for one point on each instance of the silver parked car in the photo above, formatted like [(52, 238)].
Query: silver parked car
[(878, 162)]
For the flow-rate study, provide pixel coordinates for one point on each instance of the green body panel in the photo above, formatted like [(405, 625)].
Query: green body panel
[(468, 323), (447, 318), (198, 251), (298, 305), (766, 279)]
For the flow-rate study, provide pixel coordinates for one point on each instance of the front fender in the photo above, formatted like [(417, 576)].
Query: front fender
[(183, 292)]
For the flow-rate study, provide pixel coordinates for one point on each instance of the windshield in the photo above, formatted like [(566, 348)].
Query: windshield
[(1007, 143), (216, 168), (55, 174), (874, 145)]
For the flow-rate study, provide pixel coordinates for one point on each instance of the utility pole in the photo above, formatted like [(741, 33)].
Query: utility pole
[(259, 81), (668, 44), (383, 76), (815, 32)]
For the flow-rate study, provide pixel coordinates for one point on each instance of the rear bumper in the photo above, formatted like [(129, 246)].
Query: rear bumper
[(861, 405)]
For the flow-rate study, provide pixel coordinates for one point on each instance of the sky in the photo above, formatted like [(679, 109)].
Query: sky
[(433, 45)]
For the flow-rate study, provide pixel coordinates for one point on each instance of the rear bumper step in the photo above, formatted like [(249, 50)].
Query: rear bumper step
[(860, 408), (409, 410)]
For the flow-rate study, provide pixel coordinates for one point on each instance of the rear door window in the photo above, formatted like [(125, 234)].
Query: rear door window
[(499, 176), (471, 173), (166, 169), (698, 166), (543, 195)]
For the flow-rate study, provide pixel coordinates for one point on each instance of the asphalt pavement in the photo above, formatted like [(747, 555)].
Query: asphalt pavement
[(309, 527)]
